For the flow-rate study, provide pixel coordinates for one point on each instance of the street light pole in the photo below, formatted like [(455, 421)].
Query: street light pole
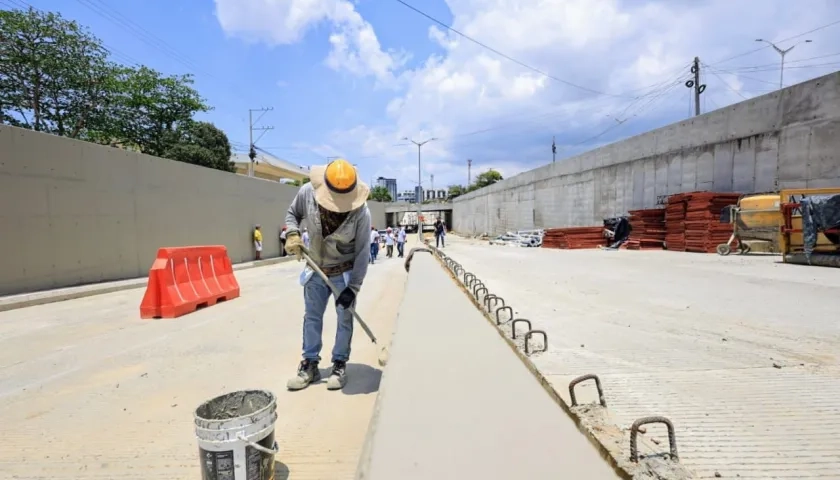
[(419, 183), (782, 53)]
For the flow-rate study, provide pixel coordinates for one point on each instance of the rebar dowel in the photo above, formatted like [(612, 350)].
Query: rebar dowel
[(634, 432), (582, 378), (528, 337), (513, 326), (499, 310), (496, 299), (467, 277), (476, 285)]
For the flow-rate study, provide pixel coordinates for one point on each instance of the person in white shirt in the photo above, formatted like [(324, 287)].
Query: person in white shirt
[(389, 243), (374, 244), (401, 242)]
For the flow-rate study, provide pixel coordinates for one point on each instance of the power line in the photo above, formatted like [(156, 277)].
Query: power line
[(724, 81), (633, 110), (821, 27), (777, 68), (661, 86), (776, 64), (119, 55), (114, 16), (529, 119), (504, 55)]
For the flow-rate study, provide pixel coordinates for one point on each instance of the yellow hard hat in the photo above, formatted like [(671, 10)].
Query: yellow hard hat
[(340, 176)]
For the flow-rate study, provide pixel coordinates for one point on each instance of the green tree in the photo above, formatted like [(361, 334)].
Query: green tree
[(148, 109), (456, 190), (300, 183), (200, 143), (54, 75), (487, 178), (380, 194)]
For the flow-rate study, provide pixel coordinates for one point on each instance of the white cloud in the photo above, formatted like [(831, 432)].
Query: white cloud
[(355, 48), (502, 114)]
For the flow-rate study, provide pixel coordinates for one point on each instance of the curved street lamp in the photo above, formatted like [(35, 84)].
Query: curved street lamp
[(782, 53), (419, 182)]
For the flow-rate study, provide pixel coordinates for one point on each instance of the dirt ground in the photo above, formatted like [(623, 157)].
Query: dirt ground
[(90, 391), (741, 353)]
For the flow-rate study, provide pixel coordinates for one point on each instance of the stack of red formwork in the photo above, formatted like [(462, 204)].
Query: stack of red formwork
[(675, 222), (703, 230), (648, 229), (574, 237)]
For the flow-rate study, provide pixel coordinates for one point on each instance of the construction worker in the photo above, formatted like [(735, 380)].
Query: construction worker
[(257, 242), (333, 208)]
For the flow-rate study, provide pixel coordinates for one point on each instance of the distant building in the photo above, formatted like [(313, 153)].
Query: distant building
[(406, 196), (442, 194), (389, 184)]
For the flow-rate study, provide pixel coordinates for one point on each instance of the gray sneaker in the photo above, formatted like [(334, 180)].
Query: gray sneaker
[(307, 373), (338, 376)]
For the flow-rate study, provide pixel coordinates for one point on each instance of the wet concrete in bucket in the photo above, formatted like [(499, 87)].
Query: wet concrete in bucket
[(234, 405)]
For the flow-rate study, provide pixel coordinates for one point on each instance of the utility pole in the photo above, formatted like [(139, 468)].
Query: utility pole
[(553, 149), (432, 176), (252, 151), (696, 70), (469, 172), (419, 183), (782, 53), (695, 84)]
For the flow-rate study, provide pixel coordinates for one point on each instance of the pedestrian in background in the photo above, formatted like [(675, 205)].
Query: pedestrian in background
[(257, 242), (401, 242), (440, 233), (389, 243), (283, 241), (374, 244)]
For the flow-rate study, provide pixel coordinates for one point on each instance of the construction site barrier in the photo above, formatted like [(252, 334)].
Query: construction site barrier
[(185, 279)]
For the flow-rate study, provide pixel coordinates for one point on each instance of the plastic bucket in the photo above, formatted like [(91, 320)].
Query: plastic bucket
[(235, 435)]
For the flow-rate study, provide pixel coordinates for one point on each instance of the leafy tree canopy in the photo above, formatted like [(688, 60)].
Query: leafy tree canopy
[(380, 194), (200, 143), (55, 77)]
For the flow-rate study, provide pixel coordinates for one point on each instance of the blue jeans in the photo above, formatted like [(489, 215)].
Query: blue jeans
[(400, 247), (374, 249), (316, 296)]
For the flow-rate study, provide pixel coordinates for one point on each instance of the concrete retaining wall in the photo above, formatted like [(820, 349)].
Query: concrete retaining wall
[(786, 139), (73, 212)]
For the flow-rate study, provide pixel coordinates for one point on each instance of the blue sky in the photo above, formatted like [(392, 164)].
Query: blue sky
[(352, 78)]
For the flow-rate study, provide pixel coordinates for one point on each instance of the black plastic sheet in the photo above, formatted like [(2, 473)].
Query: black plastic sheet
[(819, 213)]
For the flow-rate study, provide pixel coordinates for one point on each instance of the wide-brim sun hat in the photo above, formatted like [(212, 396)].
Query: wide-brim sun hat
[(337, 186)]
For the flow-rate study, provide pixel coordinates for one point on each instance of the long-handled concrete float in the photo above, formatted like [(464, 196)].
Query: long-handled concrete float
[(383, 351)]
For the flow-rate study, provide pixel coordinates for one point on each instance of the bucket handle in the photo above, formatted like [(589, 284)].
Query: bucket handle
[(270, 451)]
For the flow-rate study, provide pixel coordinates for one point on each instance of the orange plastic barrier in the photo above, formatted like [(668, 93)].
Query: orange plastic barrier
[(185, 279)]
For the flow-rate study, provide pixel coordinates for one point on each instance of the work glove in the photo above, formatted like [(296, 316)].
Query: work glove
[(294, 245), (346, 299)]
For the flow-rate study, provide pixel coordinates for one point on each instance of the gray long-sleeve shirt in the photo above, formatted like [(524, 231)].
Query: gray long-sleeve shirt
[(349, 243)]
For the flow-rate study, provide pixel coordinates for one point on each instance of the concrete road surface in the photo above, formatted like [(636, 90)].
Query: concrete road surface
[(90, 391), (741, 353)]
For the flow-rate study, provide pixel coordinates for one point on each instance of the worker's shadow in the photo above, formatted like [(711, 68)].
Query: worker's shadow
[(361, 379), (281, 471)]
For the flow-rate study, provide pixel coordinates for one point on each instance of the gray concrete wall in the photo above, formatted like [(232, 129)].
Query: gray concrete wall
[(73, 212), (786, 139)]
